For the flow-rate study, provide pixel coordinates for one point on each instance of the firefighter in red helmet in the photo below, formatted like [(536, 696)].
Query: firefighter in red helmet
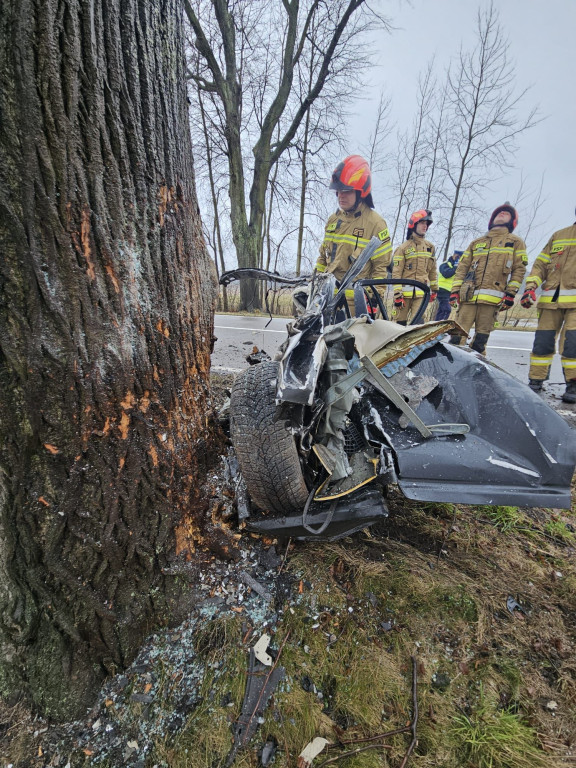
[(415, 260), (349, 230), (489, 276)]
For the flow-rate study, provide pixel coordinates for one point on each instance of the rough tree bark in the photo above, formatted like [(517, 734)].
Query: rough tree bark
[(106, 297)]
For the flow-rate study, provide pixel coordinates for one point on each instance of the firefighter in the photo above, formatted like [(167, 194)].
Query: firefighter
[(414, 259), (446, 270), (555, 272), (488, 277), (350, 229)]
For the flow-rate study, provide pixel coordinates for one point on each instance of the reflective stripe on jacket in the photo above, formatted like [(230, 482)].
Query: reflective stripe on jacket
[(491, 266), (445, 283), (345, 237), (415, 260), (555, 271)]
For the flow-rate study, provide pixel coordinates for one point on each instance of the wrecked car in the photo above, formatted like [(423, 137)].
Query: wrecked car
[(353, 404)]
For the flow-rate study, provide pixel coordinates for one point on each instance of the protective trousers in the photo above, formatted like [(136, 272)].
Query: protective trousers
[(550, 323), (482, 317), (410, 308)]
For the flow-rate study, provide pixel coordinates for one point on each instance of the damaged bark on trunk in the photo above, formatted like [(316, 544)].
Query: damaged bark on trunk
[(106, 295)]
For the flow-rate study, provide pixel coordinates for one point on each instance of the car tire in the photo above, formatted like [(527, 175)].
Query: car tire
[(265, 448)]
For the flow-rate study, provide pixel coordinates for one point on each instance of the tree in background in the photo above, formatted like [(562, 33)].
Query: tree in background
[(263, 66), (106, 295), (462, 139), (484, 118)]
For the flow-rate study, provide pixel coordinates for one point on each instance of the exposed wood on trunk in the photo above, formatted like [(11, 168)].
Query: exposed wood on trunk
[(106, 294)]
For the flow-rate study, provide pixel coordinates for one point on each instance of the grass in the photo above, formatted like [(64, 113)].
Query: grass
[(495, 738), (432, 583), (505, 518), (485, 675)]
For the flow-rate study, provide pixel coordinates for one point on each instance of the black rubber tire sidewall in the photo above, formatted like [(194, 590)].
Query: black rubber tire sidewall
[(265, 448)]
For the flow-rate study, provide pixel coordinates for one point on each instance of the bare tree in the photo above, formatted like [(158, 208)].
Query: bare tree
[(411, 155), (531, 199), (214, 242), (227, 52), (484, 118)]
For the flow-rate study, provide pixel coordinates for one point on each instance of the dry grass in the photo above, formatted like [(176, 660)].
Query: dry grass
[(496, 688)]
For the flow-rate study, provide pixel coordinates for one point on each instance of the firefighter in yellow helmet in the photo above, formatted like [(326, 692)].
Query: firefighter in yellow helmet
[(350, 229), (489, 276), (414, 259), (555, 272)]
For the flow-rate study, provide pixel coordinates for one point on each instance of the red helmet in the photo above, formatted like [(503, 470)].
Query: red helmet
[(352, 174), (512, 224), (417, 216)]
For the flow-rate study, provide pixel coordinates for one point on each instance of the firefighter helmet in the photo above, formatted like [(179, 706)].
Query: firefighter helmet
[(352, 174), (512, 224), (418, 216)]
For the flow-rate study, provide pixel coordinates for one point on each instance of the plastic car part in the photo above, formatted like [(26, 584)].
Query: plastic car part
[(327, 521)]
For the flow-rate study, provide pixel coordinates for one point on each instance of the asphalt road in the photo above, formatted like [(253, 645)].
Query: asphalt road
[(238, 334)]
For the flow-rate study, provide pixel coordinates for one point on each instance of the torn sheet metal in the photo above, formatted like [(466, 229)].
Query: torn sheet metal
[(413, 389), (518, 451)]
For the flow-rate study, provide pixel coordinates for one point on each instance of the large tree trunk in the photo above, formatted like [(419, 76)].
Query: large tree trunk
[(106, 297)]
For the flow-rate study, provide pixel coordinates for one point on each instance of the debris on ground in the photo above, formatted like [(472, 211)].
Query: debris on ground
[(310, 751), (350, 613)]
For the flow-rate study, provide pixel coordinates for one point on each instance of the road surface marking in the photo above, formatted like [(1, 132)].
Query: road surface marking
[(514, 349), (225, 369), (248, 330)]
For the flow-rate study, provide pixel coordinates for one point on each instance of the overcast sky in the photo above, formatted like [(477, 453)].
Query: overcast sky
[(543, 51)]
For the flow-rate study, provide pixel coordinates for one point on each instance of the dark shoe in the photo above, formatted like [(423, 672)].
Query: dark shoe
[(479, 343), (536, 385), (454, 340), (570, 395)]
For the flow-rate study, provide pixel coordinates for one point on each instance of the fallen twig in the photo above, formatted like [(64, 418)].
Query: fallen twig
[(412, 728), (354, 752), (414, 723), (405, 729), (285, 556)]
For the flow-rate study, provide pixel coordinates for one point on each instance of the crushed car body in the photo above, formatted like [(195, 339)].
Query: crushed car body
[(351, 405)]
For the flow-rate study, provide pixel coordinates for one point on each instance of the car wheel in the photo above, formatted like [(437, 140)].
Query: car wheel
[(265, 448)]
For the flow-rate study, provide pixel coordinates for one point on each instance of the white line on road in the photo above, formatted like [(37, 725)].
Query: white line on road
[(271, 330), (225, 369), (249, 330), (514, 349)]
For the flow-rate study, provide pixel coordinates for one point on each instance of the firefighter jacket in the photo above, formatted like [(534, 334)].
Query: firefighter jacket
[(491, 266), (347, 234), (415, 259), (446, 273), (555, 271)]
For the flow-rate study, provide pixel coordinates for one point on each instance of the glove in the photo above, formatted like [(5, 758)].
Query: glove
[(507, 302), (433, 296), (528, 298), (454, 298), (398, 299)]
